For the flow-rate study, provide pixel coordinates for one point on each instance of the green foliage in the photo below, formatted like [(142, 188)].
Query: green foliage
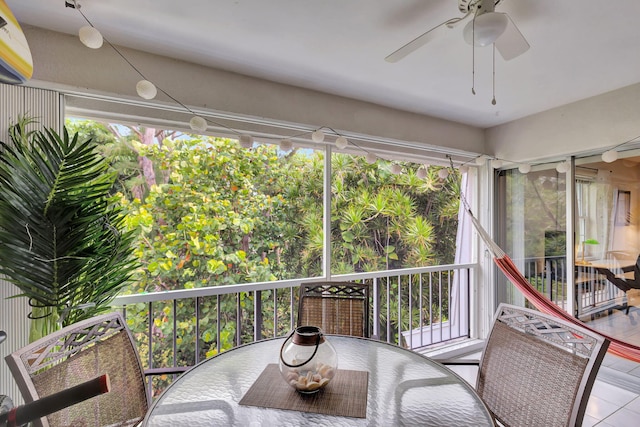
[(224, 215), (217, 221), (61, 238)]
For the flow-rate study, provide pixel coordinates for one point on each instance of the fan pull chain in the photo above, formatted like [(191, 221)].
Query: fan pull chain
[(493, 101), (473, 56)]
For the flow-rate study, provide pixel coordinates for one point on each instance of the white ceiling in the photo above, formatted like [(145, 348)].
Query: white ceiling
[(579, 48)]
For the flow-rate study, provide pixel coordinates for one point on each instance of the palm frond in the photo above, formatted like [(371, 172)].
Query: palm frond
[(61, 238)]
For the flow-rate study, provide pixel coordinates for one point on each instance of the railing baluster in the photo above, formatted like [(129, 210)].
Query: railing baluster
[(420, 309), (410, 313), (150, 350), (431, 307), (440, 302), (257, 315), (218, 317), (197, 329), (376, 307), (175, 333), (388, 310), (399, 312)]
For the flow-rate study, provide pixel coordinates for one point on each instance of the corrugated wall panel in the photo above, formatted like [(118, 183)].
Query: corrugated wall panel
[(47, 108)]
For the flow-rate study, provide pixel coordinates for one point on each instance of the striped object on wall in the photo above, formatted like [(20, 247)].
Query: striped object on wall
[(47, 108)]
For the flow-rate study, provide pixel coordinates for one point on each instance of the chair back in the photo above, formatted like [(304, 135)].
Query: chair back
[(538, 370), (336, 307), (78, 353)]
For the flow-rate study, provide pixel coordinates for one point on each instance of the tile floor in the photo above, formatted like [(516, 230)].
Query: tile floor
[(615, 398)]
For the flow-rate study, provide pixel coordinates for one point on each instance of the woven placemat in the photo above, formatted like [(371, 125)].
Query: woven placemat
[(345, 395)]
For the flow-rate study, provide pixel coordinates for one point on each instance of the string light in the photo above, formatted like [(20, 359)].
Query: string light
[(341, 142), (610, 156), (396, 169), (90, 37), (317, 136), (562, 167), (146, 89), (443, 173), (371, 158), (246, 141), (198, 124), (286, 144), (524, 168)]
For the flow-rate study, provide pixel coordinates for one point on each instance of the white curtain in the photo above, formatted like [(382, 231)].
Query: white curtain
[(463, 255)]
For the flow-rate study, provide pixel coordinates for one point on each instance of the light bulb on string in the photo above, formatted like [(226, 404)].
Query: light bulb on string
[(480, 161), (146, 89), (198, 124), (422, 172), (317, 136), (90, 37), (610, 156), (286, 144), (562, 167), (464, 169), (524, 168), (496, 163), (246, 141), (371, 158), (443, 173), (396, 169), (341, 142)]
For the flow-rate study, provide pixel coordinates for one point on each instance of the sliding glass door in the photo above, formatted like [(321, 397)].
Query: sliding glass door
[(601, 284), (531, 228)]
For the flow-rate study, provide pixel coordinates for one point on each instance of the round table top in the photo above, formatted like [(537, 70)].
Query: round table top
[(404, 388)]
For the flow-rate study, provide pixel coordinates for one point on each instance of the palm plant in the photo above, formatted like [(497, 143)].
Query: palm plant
[(61, 242)]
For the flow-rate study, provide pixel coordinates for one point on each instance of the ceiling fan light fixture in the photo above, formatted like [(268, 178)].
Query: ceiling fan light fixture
[(488, 27)]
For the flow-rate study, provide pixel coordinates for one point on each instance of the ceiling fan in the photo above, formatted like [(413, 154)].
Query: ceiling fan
[(485, 27)]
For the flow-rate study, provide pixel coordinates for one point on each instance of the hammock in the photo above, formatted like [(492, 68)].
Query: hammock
[(542, 303)]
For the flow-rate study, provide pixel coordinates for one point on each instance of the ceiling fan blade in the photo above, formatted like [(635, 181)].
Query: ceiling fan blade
[(423, 39), (511, 43)]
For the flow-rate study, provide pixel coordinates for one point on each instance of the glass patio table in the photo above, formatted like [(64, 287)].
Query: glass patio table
[(404, 388)]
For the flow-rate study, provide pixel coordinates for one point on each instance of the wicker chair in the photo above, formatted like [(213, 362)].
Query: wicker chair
[(336, 307), (536, 369), (76, 354)]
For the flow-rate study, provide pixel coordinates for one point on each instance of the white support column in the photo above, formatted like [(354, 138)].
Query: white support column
[(571, 236)]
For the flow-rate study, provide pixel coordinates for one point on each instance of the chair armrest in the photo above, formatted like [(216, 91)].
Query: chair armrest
[(166, 371), (23, 414), (467, 362)]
